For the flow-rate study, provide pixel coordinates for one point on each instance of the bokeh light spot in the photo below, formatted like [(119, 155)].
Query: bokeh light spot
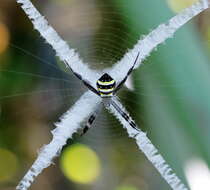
[(126, 187), (80, 164), (198, 174), (8, 165), (179, 5), (4, 37)]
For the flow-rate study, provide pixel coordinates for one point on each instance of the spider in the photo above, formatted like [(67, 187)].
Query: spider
[(106, 89)]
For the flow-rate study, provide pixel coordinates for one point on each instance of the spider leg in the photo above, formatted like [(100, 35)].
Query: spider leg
[(128, 73), (127, 118), (90, 121), (86, 82)]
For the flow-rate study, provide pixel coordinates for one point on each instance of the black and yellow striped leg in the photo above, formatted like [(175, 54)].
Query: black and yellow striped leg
[(125, 115), (90, 121), (128, 73), (86, 82)]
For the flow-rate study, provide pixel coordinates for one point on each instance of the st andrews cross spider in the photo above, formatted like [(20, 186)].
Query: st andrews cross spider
[(106, 89)]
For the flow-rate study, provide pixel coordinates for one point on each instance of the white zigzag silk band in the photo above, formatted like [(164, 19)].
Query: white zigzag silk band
[(58, 44), (70, 123), (146, 146), (157, 36)]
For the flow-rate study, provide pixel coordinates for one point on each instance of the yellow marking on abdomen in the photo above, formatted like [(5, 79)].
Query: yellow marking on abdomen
[(106, 95), (105, 90), (106, 83)]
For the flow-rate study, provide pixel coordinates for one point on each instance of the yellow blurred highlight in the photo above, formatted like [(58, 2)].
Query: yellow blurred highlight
[(80, 164), (126, 187), (208, 37), (179, 5), (4, 37), (8, 165)]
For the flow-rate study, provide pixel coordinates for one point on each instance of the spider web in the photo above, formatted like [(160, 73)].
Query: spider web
[(99, 45), (52, 89)]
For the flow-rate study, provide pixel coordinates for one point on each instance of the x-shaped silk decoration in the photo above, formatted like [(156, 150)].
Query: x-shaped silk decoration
[(71, 121)]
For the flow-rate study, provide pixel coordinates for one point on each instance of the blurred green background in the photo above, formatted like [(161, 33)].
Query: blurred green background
[(168, 96)]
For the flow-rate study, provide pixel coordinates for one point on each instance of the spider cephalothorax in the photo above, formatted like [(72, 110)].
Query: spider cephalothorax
[(106, 85)]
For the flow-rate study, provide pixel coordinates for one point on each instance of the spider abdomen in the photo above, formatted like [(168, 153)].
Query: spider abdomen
[(106, 85)]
